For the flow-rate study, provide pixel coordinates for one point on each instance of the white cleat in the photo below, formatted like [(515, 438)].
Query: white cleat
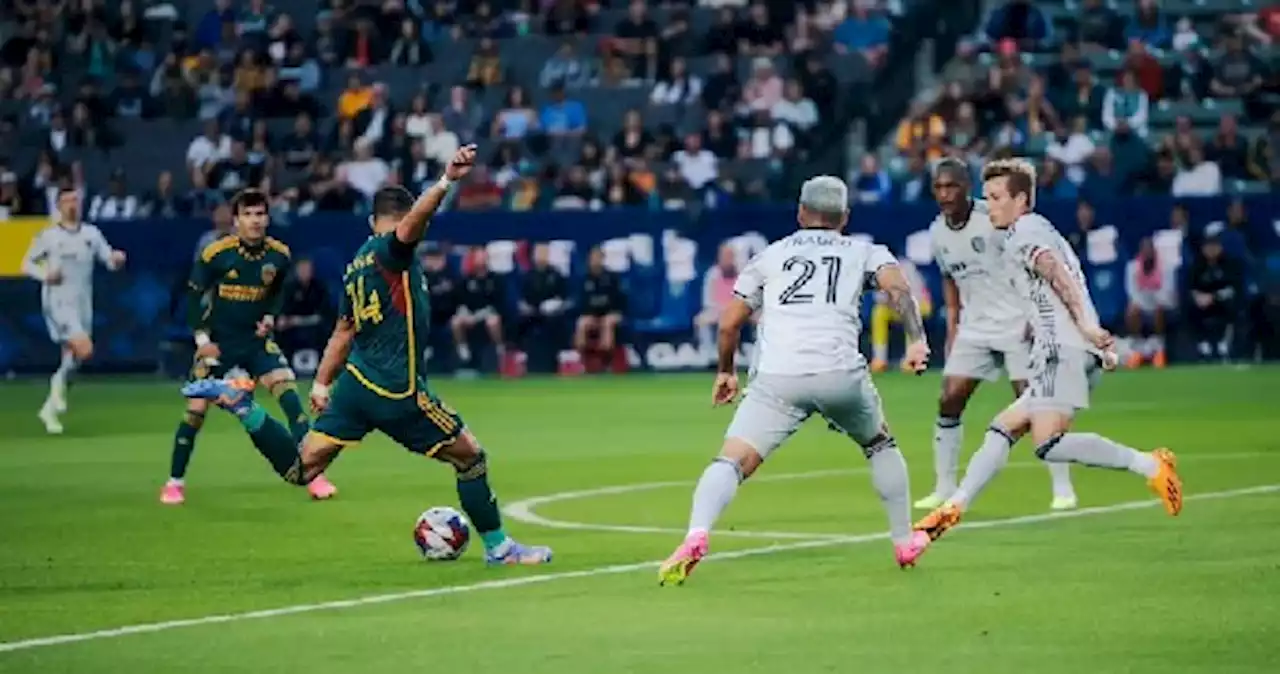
[(49, 418), (1062, 503), (930, 502)]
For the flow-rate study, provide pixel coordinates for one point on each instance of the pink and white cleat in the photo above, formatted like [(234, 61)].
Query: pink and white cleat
[(907, 553), (680, 564), (172, 493), (321, 489)]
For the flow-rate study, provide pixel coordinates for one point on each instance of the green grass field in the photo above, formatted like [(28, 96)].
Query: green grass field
[(806, 587)]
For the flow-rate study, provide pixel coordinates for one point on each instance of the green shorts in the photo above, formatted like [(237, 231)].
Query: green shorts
[(258, 359), (421, 422)]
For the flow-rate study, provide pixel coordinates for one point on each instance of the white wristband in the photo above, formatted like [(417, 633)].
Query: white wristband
[(444, 183), (202, 339), (318, 389)]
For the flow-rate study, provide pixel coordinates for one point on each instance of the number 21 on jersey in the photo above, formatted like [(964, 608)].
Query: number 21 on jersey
[(366, 307), (799, 292)]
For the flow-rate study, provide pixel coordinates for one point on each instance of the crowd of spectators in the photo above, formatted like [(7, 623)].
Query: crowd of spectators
[(242, 66)]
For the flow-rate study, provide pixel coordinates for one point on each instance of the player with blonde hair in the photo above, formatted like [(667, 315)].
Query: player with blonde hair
[(1069, 349)]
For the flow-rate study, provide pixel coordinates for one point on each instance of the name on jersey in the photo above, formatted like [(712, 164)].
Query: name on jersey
[(363, 262), (819, 240), (239, 293)]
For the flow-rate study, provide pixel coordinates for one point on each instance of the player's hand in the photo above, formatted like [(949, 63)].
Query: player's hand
[(1109, 360), (725, 389), (53, 277), (266, 326), (916, 361), (461, 163), (209, 351), (319, 398), (1098, 337), (116, 259)]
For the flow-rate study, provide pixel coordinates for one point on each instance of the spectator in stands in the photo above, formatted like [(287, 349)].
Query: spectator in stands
[(763, 89), (237, 171), (372, 124), (1229, 150), (720, 136), (481, 301), (418, 121), (324, 189), (116, 203), (675, 39), (250, 76), (636, 39), (1190, 77), (463, 116), (1020, 21), (963, 134), (544, 296), (1197, 177), (913, 184), (1159, 179), (717, 293), (301, 67), (213, 97), (1084, 98), (566, 17), (1238, 74), (1216, 292), (865, 31), (364, 49), (281, 38), (697, 165), (574, 192), (565, 69), (603, 305), (479, 192), (722, 89), (1149, 25), (409, 49), (355, 98), (1263, 27), (1146, 69), (764, 138), (238, 120), (1151, 286), (562, 118), (1264, 164), (633, 140), (1126, 105), (129, 99), (799, 112), (307, 311), (443, 285), (1052, 183), (223, 224), (1086, 220), (209, 27), (917, 127), (1099, 27), (516, 119), (872, 184), (297, 150), (759, 35), (722, 38), (441, 144), (254, 19), (366, 172), (10, 196), (1131, 155), (678, 86), (202, 199), (163, 201), (1073, 147)]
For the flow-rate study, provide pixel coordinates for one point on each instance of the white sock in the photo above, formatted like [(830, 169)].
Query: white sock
[(889, 476), (1060, 476), (176, 481), (464, 352), (58, 382), (880, 352), (984, 465), (716, 489), (948, 436), (1092, 449)]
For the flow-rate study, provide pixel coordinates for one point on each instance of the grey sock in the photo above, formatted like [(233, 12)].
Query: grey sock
[(948, 436), (1092, 449), (984, 465), (889, 476), (1060, 475), (716, 488)]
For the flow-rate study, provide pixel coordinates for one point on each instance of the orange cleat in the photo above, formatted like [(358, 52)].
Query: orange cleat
[(878, 366), (939, 521), (1134, 361), (1167, 484), (1159, 360)]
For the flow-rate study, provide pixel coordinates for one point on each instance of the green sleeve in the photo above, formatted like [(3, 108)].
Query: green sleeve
[(276, 292), (393, 254), (197, 286)]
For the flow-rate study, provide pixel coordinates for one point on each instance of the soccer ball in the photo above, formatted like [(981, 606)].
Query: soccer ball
[(441, 534)]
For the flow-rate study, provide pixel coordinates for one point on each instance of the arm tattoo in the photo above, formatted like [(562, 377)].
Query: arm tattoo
[(898, 291), (1048, 267)]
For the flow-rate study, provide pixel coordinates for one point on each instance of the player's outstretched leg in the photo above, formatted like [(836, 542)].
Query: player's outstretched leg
[(184, 444), (889, 476), (983, 466), (1158, 467), (1064, 492), (269, 436), (737, 461), (74, 351), (286, 393), (481, 505), (948, 438)]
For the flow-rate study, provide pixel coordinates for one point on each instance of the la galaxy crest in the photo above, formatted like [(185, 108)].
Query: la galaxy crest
[(268, 274), (979, 244)]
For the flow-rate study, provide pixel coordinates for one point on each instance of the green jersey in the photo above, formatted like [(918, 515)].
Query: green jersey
[(233, 285), (385, 299)]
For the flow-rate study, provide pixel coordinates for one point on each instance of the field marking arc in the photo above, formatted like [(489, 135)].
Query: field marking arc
[(615, 569), (523, 510)]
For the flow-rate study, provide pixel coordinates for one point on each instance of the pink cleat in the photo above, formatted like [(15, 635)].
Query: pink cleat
[(172, 494), (907, 553), (680, 564), (321, 489)]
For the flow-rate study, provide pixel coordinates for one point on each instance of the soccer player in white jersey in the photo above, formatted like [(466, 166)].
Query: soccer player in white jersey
[(62, 259), (987, 324), (808, 288), (1069, 348)]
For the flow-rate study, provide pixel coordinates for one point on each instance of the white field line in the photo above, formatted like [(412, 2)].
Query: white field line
[(63, 639), (523, 511)]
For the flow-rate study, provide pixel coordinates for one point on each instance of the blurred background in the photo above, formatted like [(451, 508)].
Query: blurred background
[(635, 154)]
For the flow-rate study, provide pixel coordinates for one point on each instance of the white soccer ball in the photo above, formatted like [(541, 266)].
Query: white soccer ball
[(441, 534)]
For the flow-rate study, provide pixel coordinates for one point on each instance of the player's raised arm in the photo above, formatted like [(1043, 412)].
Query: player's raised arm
[(891, 280), (33, 263), (413, 225), (1046, 263)]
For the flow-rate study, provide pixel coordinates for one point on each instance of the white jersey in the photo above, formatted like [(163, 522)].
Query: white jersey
[(1029, 237), (808, 288), (991, 307), (73, 253)]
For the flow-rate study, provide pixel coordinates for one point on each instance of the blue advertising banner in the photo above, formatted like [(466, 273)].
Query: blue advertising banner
[(661, 255)]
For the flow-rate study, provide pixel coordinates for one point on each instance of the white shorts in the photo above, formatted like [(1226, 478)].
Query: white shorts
[(983, 358), (1148, 301), (477, 315), (1061, 379), (776, 405), (66, 319)]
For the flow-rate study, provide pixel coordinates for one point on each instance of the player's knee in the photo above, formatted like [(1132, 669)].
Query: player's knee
[(463, 453), (194, 419), (883, 441), (82, 349), (493, 322), (1043, 448), (742, 455)]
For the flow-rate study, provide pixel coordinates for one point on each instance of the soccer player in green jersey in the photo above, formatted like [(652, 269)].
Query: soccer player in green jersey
[(235, 294), (370, 377)]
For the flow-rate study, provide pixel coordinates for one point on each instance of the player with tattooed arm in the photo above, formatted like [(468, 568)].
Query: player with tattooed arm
[(1068, 351), (808, 289)]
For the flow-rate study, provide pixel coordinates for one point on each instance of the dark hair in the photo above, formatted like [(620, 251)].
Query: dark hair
[(248, 198), (956, 168), (392, 200)]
